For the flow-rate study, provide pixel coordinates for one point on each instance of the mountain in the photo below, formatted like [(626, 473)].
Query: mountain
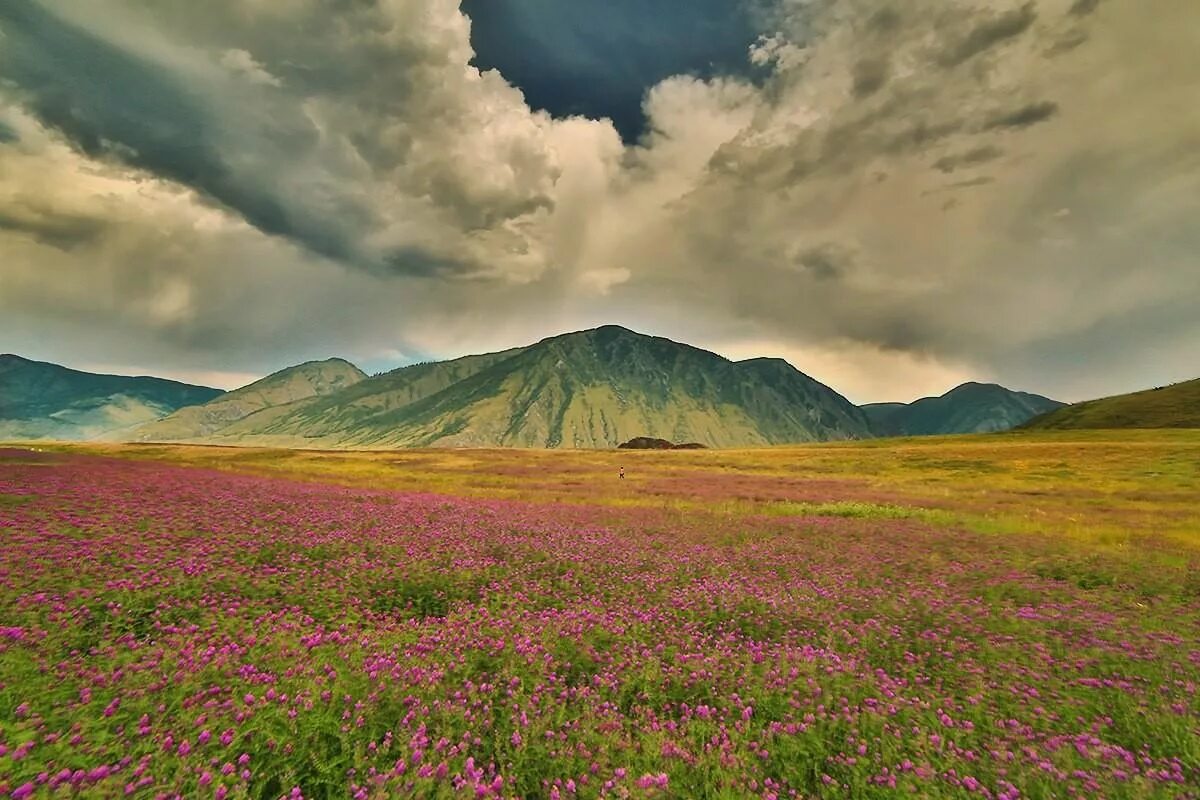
[(278, 390), (1176, 406), (39, 400), (340, 415), (592, 388), (969, 408)]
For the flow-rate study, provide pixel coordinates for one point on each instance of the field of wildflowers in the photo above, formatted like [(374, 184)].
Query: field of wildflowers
[(1003, 618)]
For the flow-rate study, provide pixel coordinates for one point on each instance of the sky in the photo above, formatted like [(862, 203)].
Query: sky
[(894, 196)]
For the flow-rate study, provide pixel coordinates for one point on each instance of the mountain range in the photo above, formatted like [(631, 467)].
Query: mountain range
[(589, 389), (45, 401), (302, 382), (594, 388), (969, 408)]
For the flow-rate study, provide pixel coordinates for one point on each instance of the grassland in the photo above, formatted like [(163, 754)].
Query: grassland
[(1098, 487), (1175, 406), (1009, 616)]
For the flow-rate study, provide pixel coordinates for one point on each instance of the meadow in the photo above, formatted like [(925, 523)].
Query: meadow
[(1009, 616)]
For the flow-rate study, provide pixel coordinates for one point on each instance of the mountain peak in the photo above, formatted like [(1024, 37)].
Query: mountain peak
[(338, 370), (971, 407), (975, 387), (289, 385), (601, 333)]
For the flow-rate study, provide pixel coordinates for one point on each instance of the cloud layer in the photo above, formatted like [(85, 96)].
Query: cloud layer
[(906, 194)]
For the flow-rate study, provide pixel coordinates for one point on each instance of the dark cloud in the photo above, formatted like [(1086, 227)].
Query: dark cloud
[(423, 263), (969, 158), (923, 133), (869, 76), (1082, 8), (826, 262), (884, 20), (987, 34), (970, 183), (347, 151), (1067, 42), (1022, 117), (58, 230), (8, 134), (114, 104)]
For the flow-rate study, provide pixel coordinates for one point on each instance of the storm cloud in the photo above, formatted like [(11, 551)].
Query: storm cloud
[(892, 197), (1023, 117), (989, 32)]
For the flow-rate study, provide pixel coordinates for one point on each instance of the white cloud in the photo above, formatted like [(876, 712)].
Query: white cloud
[(240, 62)]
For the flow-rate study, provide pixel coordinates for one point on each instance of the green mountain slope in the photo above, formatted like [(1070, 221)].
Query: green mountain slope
[(594, 388), (879, 413), (969, 408), (302, 382), (1176, 406), (343, 414), (47, 401)]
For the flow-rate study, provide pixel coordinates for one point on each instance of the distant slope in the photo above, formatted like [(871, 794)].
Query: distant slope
[(969, 408), (1176, 406), (304, 381), (343, 414), (880, 413), (39, 400), (593, 388)]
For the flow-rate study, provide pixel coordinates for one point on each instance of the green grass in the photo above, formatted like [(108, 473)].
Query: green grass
[(1105, 489), (1175, 406), (906, 563)]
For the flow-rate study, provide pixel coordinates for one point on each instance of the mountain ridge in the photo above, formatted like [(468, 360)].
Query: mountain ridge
[(1173, 406), (971, 407), (593, 388), (42, 400), (288, 385)]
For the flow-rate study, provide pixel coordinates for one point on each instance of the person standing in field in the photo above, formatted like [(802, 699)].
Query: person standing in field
[(621, 473)]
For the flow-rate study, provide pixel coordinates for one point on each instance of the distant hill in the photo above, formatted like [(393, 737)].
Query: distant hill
[(1176, 406), (39, 400), (280, 389), (969, 408), (589, 389), (593, 388), (342, 415)]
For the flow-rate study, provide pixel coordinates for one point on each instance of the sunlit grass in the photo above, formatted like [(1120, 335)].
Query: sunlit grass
[(1093, 487)]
